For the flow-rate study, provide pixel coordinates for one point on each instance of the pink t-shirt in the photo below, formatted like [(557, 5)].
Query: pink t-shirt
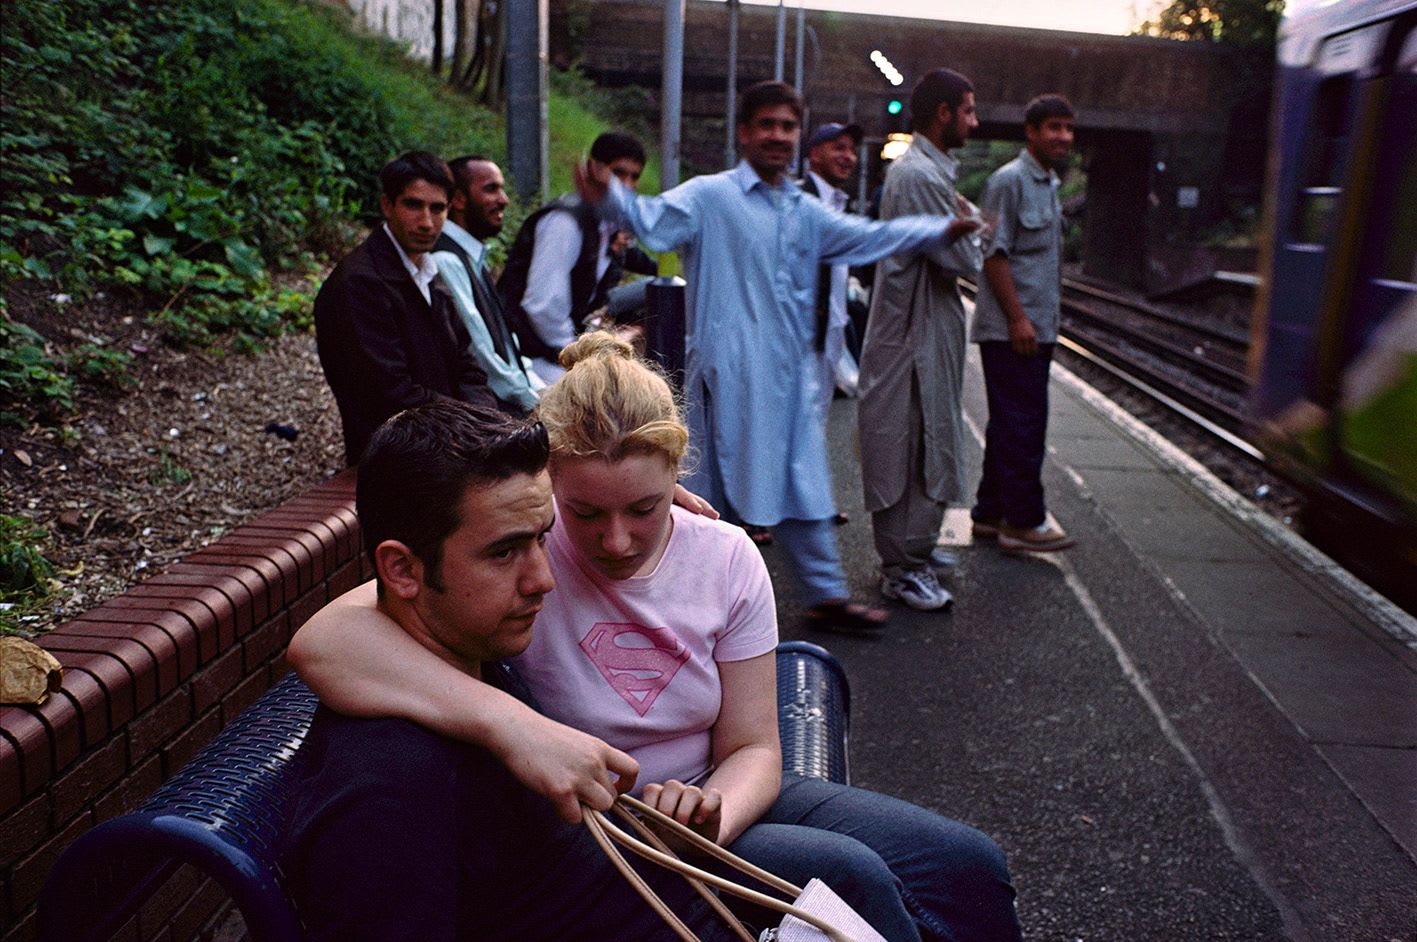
[(633, 661)]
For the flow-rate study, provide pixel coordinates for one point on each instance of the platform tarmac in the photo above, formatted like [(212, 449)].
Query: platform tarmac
[(1189, 726)]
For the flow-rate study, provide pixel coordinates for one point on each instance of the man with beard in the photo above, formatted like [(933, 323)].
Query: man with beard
[(385, 326), (912, 366), (1016, 327), (751, 244), (475, 215)]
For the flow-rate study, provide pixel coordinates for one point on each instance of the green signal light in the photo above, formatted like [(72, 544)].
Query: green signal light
[(894, 106)]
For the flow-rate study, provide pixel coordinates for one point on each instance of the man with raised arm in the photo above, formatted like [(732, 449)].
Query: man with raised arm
[(566, 260), (385, 326), (912, 365), (400, 834), (751, 243)]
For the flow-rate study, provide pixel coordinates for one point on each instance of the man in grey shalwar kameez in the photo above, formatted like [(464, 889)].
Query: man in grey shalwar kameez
[(912, 365)]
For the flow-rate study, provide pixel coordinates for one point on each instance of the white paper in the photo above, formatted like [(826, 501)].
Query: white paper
[(819, 900)]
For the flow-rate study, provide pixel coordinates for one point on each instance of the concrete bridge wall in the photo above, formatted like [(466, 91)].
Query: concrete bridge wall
[(1156, 118)]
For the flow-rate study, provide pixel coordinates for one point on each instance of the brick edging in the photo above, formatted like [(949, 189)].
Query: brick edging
[(152, 675)]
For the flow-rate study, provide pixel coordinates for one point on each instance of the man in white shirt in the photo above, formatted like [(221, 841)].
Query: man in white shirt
[(831, 160), (475, 214), (566, 260)]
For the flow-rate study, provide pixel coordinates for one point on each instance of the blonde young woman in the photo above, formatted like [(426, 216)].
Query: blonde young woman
[(653, 660)]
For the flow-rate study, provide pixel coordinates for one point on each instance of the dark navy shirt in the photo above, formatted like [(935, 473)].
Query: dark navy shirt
[(398, 833)]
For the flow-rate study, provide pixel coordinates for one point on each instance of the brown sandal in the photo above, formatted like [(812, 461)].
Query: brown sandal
[(759, 535), (845, 617)]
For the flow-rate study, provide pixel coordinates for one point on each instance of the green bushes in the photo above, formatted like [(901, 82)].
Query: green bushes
[(26, 577), (183, 152)]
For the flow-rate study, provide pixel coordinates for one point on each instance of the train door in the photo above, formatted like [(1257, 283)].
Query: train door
[(1373, 292)]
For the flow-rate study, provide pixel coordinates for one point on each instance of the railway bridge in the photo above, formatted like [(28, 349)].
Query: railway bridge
[(1169, 131)]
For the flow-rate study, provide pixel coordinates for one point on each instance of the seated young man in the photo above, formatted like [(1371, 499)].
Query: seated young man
[(399, 833)]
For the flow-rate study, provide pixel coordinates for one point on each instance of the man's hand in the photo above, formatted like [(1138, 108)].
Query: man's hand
[(621, 241), (693, 502), (1022, 337), (700, 810), (567, 766), (961, 226), (592, 181)]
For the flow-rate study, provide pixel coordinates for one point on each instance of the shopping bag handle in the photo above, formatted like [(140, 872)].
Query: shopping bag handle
[(606, 834)]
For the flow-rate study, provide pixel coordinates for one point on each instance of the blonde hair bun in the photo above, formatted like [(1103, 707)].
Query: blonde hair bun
[(597, 343), (610, 403)]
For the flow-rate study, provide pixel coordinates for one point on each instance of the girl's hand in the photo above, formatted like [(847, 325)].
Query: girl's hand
[(700, 810)]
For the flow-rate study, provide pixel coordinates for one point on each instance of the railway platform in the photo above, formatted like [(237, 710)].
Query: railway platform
[(1189, 726)]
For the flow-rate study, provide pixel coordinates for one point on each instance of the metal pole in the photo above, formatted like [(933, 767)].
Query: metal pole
[(781, 47), (671, 94), (729, 120), (526, 97), (797, 82), (797, 64), (861, 162)]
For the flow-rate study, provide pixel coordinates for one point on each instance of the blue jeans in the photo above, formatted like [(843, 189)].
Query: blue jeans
[(912, 874), (1011, 485)]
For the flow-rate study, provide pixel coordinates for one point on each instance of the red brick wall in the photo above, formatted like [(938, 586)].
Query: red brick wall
[(149, 678)]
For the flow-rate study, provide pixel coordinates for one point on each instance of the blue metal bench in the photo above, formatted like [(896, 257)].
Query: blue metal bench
[(224, 812)]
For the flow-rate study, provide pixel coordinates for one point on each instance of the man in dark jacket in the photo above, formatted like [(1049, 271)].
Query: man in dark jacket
[(387, 332)]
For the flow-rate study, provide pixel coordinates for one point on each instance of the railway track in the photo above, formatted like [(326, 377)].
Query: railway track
[(1198, 363), (1194, 368)]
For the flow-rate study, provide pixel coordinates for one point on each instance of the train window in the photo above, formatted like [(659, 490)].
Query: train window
[(1327, 144), (1343, 60)]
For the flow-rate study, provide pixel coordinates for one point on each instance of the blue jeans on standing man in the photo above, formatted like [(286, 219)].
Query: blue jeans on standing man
[(1011, 486), (912, 874)]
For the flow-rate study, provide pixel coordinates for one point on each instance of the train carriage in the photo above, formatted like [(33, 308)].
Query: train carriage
[(1334, 347)]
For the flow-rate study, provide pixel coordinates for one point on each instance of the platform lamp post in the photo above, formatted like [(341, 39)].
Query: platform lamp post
[(781, 47), (528, 141), (671, 95), (731, 96)]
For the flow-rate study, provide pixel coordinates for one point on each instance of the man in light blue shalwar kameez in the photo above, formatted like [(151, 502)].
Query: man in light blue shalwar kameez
[(751, 243)]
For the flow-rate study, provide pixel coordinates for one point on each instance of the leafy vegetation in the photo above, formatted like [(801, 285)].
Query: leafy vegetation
[(1238, 22), (26, 577), (28, 370), (183, 154)]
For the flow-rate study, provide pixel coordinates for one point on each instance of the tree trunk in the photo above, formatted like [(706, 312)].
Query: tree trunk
[(464, 35), (496, 43), (437, 37)]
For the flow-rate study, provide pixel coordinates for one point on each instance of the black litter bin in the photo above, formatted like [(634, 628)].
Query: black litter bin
[(665, 299)]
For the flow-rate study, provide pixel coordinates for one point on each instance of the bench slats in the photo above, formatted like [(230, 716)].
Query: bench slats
[(224, 812)]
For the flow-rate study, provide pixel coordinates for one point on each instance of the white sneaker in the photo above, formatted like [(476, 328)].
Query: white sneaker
[(917, 588)]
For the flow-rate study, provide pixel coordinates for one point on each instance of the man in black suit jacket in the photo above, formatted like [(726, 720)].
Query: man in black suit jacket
[(388, 334)]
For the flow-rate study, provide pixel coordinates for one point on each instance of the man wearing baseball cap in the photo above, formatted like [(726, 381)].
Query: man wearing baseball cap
[(831, 159)]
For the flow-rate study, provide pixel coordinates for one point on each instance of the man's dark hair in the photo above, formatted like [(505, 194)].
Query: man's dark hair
[(421, 462), (767, 95), (936, 88), (462, 168), (1044, 107), (415, 165), (613, 145)]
